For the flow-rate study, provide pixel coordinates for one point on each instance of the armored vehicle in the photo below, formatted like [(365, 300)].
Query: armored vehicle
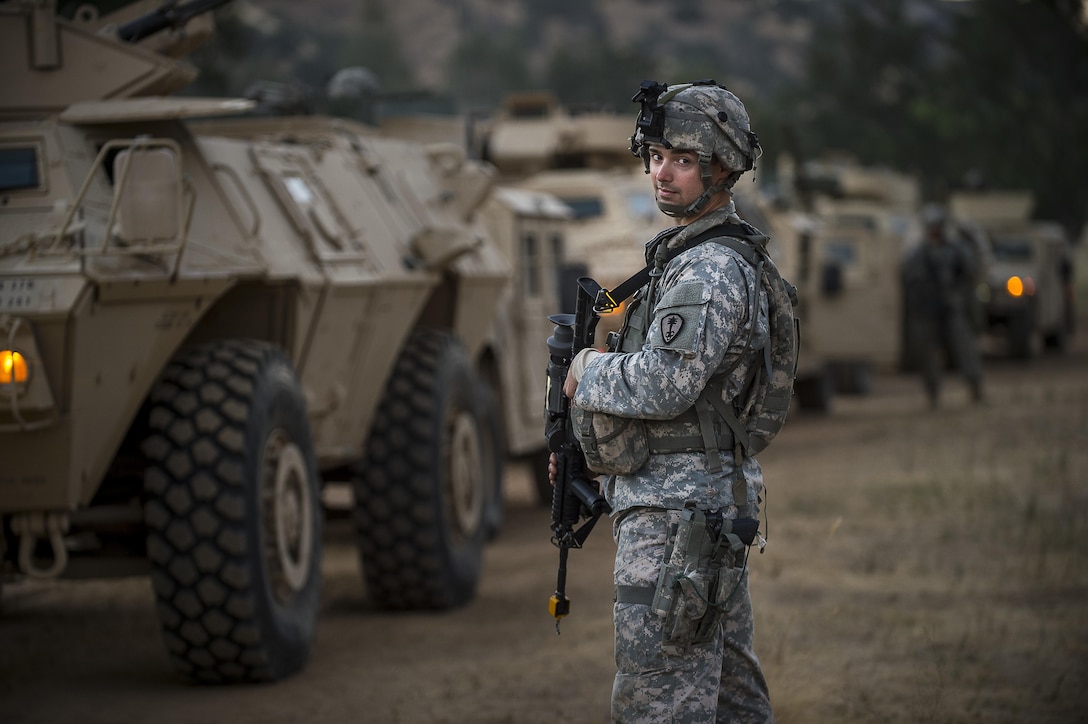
[(1027, 295), (860, 220), (202, 322), (530, 229), (614, 215)]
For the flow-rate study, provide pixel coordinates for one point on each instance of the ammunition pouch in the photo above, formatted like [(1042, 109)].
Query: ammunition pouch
[(698, 578), (612, 445)]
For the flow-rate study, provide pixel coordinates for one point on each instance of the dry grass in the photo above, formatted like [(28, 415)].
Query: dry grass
[(931, 566)]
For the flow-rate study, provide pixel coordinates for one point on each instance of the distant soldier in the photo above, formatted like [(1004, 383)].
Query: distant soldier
[(938, 280)]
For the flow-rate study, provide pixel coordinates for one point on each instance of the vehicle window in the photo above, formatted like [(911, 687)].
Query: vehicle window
[(1012, 249), (556, 261), (531, 256), (641, 205), (857, 221), (19, 168), (586, 207), (843, 252), (299, 190)]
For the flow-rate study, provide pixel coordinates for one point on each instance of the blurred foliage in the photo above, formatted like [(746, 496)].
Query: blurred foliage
[(985, 92), (991, 94), (484, 68)]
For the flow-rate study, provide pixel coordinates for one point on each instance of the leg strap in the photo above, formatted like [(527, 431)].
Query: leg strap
[(643, 595)]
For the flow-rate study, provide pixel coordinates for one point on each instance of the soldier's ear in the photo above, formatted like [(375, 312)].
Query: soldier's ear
[(720, 172)]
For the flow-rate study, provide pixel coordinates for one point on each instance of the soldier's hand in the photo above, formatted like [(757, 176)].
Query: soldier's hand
[(553, 467), (570, 385)]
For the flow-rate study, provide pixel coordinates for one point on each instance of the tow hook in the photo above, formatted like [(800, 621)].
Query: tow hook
[(32, 526)]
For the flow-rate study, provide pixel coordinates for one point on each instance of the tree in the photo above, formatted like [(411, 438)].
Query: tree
[(997, 88), (482, 68)]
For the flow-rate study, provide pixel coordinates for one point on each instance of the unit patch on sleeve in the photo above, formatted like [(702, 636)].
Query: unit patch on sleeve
[(671, 324)]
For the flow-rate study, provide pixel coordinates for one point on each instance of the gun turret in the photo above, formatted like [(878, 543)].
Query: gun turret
[(170, 15), (64, 61)]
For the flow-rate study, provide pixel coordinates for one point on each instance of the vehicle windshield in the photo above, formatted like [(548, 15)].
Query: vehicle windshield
[(585, 207), (1012, 248)]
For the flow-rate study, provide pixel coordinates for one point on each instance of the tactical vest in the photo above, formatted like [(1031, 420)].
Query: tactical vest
[(749, 422)]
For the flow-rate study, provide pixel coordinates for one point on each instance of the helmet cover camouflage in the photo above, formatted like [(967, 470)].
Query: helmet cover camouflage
[(703, 117)]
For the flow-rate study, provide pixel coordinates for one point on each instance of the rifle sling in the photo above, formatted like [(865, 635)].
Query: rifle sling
[(642, 277)]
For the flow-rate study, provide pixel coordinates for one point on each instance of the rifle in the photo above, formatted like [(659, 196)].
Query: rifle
[(576, 495)]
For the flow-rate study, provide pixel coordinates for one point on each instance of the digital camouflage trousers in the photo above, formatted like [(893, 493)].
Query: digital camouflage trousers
[(716, 681)]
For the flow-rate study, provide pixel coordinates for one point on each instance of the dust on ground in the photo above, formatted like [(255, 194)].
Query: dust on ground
[(923, 566)]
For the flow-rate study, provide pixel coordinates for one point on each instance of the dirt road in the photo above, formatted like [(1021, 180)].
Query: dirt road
[(923, 566)]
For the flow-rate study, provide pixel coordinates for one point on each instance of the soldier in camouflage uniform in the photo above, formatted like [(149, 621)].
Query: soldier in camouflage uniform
[(938, 281), (699, 326)]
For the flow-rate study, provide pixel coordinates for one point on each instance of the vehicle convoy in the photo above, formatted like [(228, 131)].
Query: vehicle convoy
[(841, 248), (1026, 295), (845, 259), (202, 322)]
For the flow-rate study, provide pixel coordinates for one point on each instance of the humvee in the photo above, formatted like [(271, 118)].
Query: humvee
[(1027, 295), (206, 316), (859, 221)]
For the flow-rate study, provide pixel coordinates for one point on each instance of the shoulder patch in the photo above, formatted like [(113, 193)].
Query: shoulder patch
[(671, 324), (680, 318)]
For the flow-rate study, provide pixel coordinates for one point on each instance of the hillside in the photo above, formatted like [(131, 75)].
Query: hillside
[(747, 45)]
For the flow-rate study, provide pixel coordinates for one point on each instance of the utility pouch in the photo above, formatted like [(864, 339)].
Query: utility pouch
[(697, 579), (726, 578), (612, 445)]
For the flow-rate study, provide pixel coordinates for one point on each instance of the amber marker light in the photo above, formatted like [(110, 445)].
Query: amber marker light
[(1020, 287), (13, 369)]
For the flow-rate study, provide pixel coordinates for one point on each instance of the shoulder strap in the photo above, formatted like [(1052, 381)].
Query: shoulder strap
[(607, 300)]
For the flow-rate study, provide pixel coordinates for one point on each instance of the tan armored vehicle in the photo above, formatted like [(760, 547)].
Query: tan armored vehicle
[(614, 215), (530, 229), (1027, 293), (202, 322), (858, 223)]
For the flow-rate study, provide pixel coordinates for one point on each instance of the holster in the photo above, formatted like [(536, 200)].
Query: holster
[(698, 578)]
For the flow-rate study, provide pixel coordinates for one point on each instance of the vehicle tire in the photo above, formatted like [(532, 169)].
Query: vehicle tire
[(494, 454), (1022, 334), (853, 378), (421, 489), (232, 508), (815, 392), (1058, 340), (538, 475)]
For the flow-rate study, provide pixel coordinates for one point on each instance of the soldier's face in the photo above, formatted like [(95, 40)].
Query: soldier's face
[(677, 179), (675, 176)]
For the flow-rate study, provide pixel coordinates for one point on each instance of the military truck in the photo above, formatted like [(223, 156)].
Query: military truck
[(613, 216), (860, 220), (1027, 294), (203, 321)]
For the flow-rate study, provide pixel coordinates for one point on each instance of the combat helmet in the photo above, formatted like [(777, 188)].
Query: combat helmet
[(700, 116)]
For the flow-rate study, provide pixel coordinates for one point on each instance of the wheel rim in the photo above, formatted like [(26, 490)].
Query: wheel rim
[(465, 478), (287, 516)]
